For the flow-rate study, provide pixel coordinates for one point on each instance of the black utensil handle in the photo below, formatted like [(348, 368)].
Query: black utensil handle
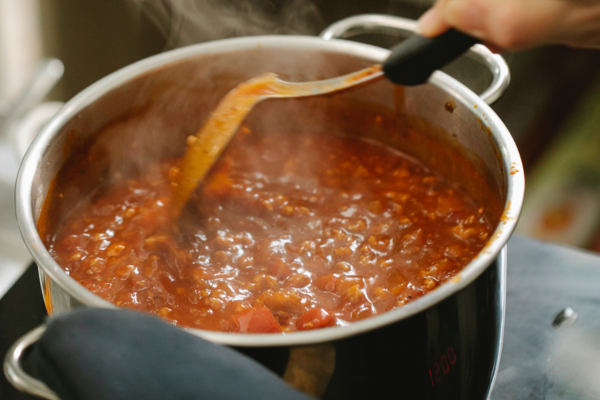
[(415, 59)]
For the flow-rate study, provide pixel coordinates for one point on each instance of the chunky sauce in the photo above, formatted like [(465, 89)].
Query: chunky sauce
[(210, 141), (286, 233)]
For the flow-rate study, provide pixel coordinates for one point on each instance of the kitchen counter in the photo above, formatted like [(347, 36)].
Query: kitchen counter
[(544, 357)]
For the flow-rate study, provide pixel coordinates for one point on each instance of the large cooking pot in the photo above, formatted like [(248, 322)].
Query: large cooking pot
[(442, 123)]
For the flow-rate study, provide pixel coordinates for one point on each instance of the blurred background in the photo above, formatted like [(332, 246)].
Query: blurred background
[(552, 107)]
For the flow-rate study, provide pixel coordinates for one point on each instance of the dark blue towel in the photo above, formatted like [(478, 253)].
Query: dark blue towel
[(118, 354)]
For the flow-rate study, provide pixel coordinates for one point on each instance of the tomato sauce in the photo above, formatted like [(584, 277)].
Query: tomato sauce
[(286, 233), (204, 148)]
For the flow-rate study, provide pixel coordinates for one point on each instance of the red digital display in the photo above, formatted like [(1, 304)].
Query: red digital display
[(442, 366)]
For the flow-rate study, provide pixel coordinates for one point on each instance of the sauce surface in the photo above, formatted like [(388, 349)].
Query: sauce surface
[(286, 233), (204, 148)]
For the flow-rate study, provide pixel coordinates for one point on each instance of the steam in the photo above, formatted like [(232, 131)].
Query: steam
[(186, 22), (174, 102)]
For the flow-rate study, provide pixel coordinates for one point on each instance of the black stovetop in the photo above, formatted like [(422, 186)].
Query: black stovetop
[(543, 357), (21, 310)]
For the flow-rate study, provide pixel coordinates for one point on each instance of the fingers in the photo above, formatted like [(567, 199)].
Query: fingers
[(510, 24), (519, 24), (432, 23), (471, 16)]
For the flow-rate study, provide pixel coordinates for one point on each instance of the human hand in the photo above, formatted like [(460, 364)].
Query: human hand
[(518, 24)]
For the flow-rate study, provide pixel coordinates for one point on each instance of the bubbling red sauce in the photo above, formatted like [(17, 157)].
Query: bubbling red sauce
[(286, 233)]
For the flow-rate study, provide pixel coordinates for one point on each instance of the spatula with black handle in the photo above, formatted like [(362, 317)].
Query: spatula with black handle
[(414, 60)]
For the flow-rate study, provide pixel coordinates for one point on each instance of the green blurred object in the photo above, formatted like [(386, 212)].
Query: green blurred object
[(562, 201)]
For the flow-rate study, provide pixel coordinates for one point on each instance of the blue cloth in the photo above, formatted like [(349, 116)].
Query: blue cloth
[(119, 354)]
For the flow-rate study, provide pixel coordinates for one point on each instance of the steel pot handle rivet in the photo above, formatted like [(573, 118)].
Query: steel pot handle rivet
[(14, 371), (386, 24)]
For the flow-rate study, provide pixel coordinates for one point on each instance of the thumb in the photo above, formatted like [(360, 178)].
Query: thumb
[(432, 23)]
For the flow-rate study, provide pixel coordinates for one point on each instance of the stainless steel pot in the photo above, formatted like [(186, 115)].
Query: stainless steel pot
[(176, 90)]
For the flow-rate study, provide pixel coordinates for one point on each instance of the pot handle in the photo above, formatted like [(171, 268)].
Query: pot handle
[(15, 373), (378, 23)]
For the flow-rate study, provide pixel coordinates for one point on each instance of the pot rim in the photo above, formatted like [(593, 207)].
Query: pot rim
[(500, 134)]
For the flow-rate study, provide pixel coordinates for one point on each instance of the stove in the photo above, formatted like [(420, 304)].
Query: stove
[(552, 335)]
